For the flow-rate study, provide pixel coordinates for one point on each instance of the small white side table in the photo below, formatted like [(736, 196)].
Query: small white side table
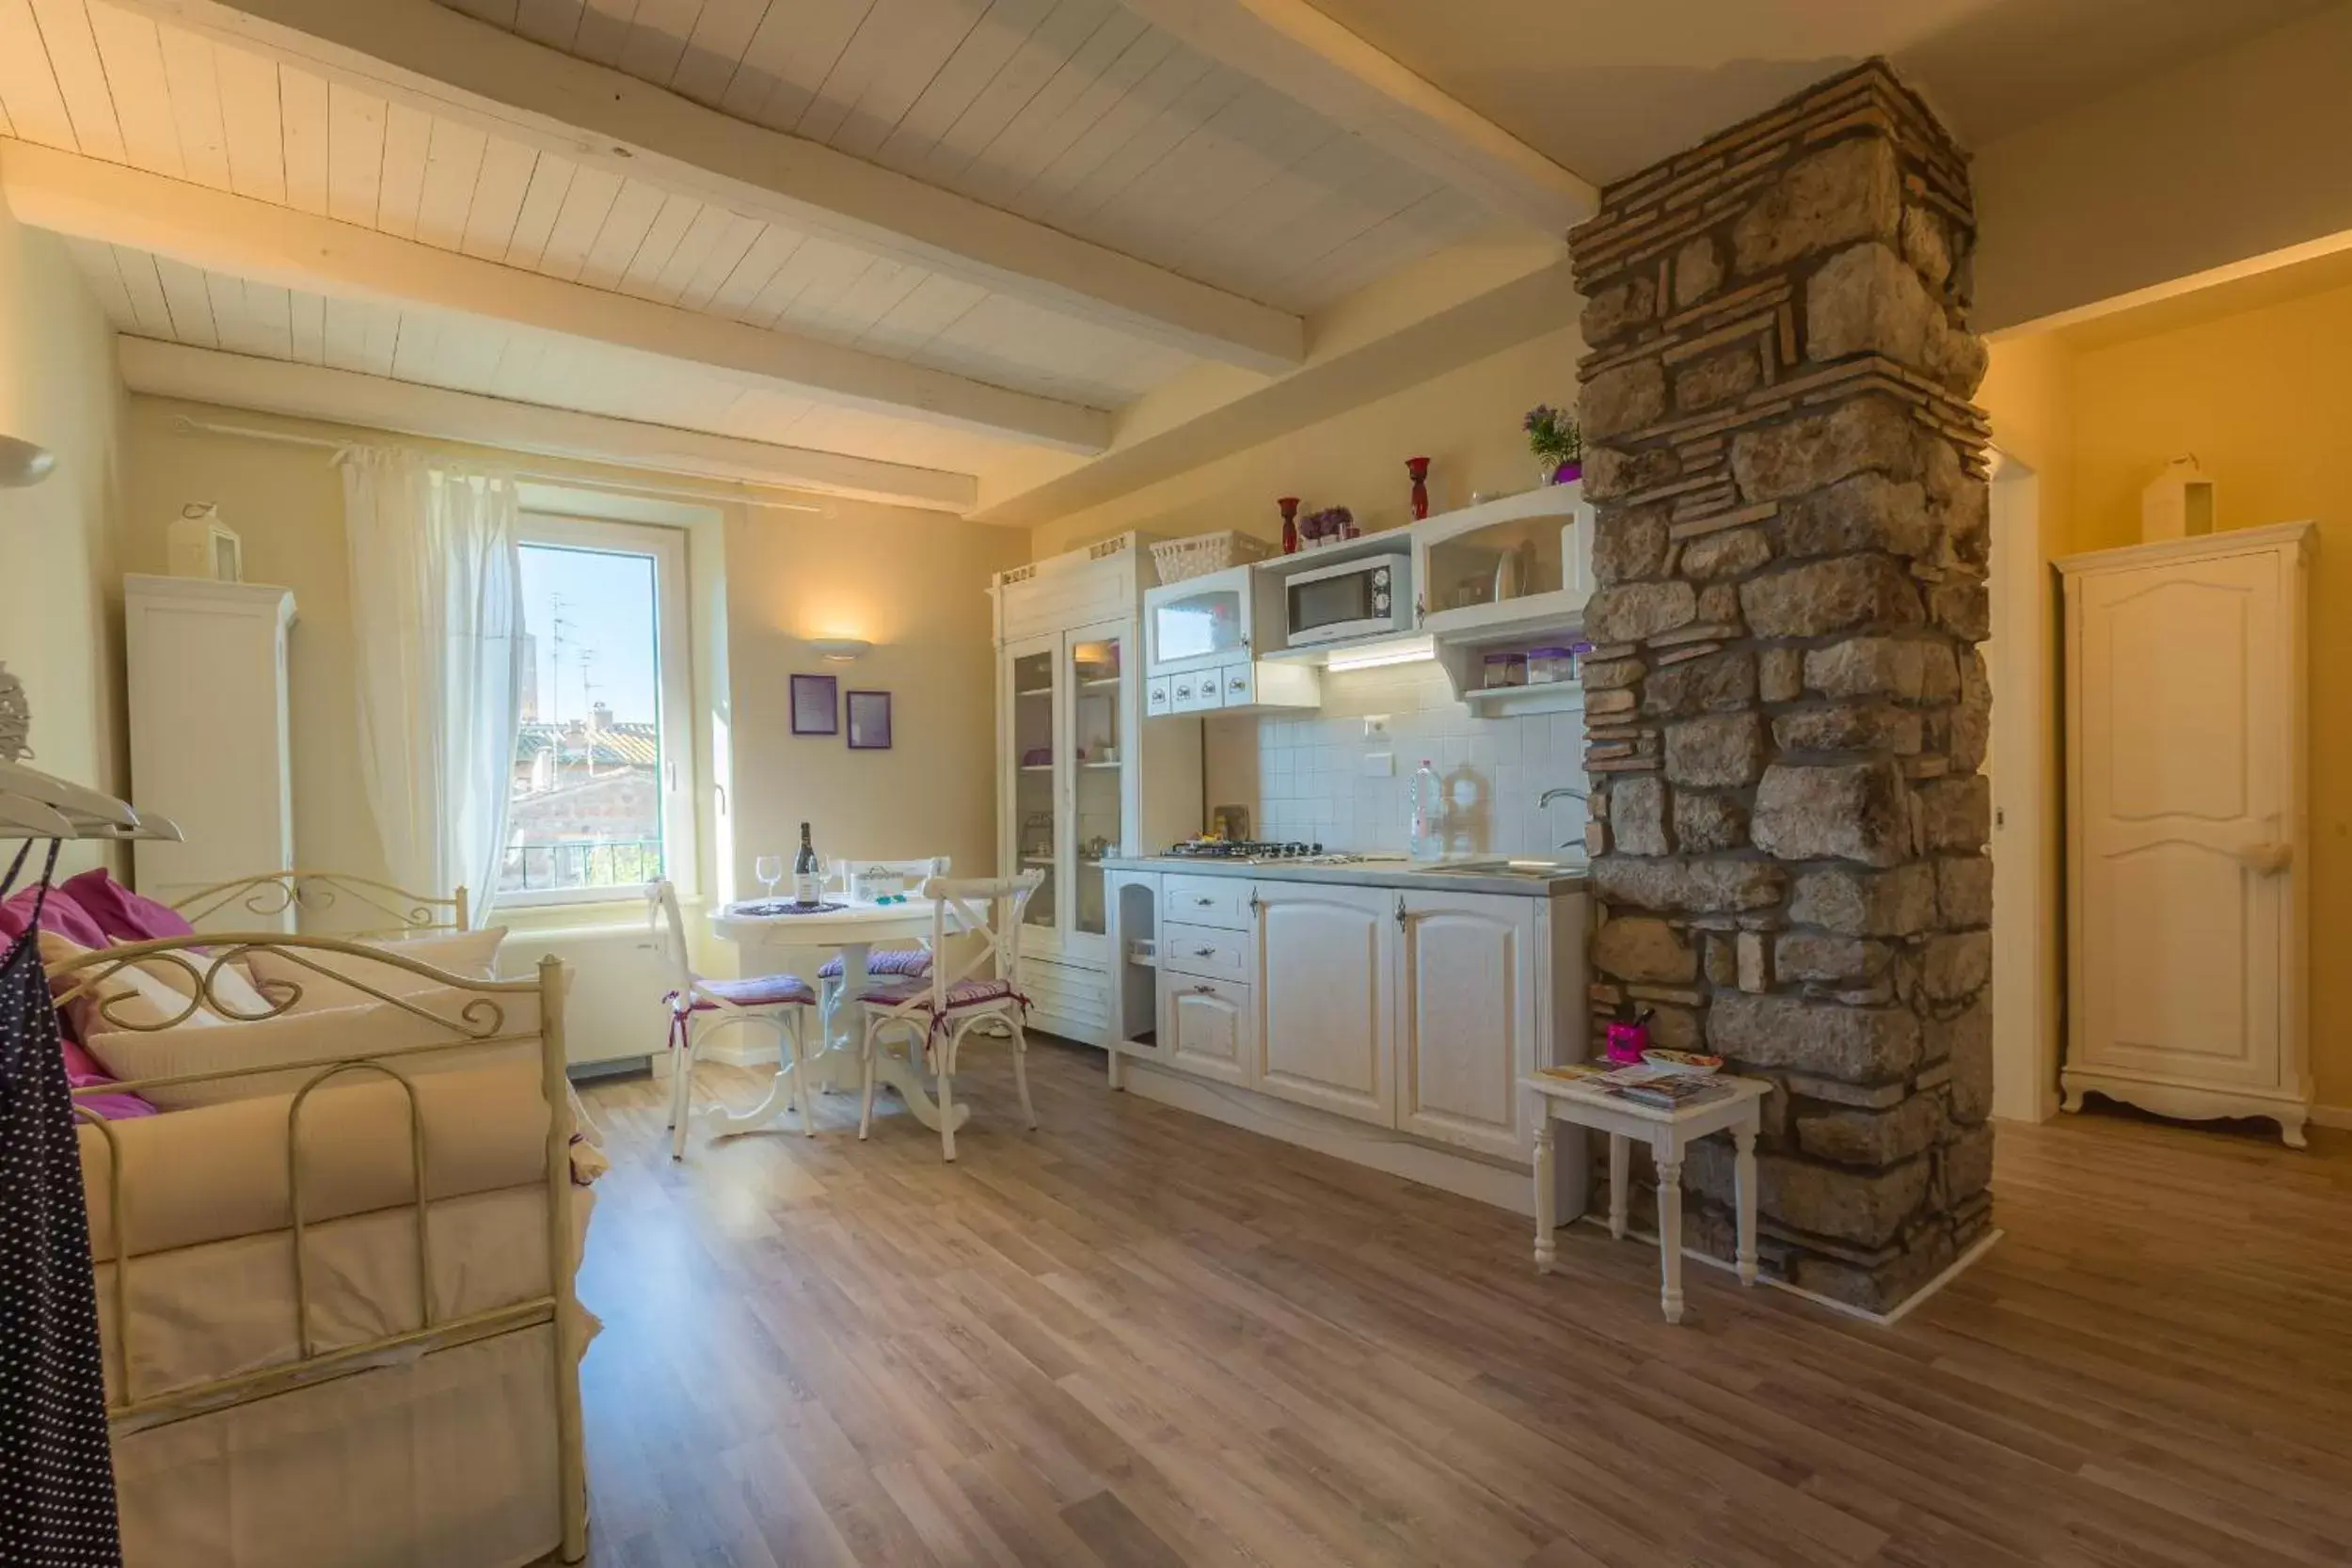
[(1581, 1103)]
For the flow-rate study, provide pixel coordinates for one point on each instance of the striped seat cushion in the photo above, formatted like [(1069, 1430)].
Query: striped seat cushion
[(973, 992), (890, 961), (762, 991)]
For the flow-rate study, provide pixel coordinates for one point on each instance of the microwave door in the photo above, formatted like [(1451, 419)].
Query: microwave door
[(1325, 606)]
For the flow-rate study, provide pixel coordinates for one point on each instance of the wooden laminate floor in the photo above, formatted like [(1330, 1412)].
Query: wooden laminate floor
[(1138, 1340)]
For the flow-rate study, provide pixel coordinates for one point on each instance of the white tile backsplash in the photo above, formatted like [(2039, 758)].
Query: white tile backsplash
[(1302, 775)]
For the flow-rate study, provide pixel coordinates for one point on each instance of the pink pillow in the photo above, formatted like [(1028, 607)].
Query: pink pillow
[(82, 1072), (123, 916), (60, 914)]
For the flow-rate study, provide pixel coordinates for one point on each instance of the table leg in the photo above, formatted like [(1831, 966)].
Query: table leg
[(1744, 1169), (1620, 1184), (724, 1123), (1546, 1198), (1670, 1228)]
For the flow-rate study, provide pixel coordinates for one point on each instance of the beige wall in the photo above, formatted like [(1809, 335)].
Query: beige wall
[(2231, 157), (2261, 398), (60, 589), (1465, 423), (912, 581)]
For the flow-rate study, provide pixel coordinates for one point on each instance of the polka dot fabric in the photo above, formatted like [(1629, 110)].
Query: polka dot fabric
[(57, 1473)]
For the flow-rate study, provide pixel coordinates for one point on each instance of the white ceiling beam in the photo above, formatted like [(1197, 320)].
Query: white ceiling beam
[(376, 402), (433, 57), (1291, 46), (265, 242)]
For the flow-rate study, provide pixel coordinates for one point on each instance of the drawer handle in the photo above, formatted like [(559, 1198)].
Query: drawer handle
[(1205, 991), (1204, 903), (1205, 951)]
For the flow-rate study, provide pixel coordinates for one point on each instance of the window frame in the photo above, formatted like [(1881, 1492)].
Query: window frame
[(673, 648)]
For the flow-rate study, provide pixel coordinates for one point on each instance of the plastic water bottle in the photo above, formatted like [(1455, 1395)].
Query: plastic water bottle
[(1425, 835)]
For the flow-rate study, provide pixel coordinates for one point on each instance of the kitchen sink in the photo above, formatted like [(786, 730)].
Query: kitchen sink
[(1533, 870)]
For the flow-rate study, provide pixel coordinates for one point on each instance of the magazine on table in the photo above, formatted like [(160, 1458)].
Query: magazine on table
[(1658, 1086)]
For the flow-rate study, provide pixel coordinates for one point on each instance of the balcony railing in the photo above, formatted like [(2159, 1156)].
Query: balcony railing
[(583, 863)]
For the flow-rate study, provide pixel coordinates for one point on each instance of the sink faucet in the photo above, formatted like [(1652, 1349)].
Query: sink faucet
[(1548, 795)]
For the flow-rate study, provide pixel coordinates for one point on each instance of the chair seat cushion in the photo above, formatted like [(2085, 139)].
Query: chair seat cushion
[(764, 990), (973, 992), (890, 961)]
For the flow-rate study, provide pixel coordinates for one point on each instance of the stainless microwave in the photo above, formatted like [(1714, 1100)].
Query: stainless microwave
[(1369, 595)]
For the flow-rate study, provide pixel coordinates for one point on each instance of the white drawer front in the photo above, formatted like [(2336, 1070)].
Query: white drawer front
[(1205, 950), (1238, 685), (1194, 693), (1208, 1027), (1208, 901), (1159, 696), (1068, 1000)]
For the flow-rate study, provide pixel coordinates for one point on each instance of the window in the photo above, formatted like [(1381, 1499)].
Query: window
[(602, 787)]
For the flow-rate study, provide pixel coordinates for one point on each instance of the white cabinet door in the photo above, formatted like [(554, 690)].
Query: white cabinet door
[(1325, 997), (2181, 713), (1033, 788), (1466, 1019), (1206, 1027)]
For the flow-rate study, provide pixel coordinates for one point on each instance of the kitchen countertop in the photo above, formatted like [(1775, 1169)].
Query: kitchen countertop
[(1429, 876)]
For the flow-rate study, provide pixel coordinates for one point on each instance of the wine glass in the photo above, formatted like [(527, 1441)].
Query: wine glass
[(769, 870)]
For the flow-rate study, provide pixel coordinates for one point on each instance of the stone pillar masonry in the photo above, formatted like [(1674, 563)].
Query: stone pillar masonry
[(1786, 710)]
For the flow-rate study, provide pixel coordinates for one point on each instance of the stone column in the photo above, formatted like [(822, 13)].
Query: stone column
[(1786, 710)]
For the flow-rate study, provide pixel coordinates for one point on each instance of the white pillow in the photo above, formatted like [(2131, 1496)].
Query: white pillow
[(472, 955), (131, 996), (310, 1034)]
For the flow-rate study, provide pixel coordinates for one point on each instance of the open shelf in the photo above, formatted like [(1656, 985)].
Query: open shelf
[(1545, 697), (1035, 691), (1100, 684)]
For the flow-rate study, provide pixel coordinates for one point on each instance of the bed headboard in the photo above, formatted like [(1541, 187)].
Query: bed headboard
[(270, 894)]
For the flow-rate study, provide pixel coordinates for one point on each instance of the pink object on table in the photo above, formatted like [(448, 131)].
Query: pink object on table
[(1627, 1041)]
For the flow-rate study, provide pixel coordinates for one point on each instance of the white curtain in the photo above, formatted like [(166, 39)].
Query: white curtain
[(437, 604)]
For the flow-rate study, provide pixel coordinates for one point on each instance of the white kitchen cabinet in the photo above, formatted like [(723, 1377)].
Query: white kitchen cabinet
[(1080, 776), (1466, 1019), (1208, 1028), (1326, 997), (1201, 624)]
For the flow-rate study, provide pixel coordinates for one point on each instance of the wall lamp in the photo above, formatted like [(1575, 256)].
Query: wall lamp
[(23, 463), (840, 650)]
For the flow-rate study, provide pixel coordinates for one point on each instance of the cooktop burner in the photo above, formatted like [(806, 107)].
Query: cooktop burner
[(1244, 849)]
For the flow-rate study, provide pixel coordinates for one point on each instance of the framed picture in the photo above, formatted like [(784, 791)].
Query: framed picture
[(869, 720), (815, 704)]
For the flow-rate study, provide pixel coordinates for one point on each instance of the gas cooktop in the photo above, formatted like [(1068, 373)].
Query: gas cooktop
[(1251, 852)]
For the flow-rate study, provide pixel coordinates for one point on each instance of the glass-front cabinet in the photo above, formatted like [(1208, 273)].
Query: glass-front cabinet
[(1072, 702), (1221, 618), (1081, 779)]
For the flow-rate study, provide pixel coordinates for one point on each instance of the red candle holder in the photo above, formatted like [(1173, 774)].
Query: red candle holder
[(1290, 523), (1419, 469)]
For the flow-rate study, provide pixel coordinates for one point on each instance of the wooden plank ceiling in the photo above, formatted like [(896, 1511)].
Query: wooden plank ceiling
[(1074, 113)]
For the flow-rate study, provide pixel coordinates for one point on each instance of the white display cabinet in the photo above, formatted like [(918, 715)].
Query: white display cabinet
[(1080, 776)]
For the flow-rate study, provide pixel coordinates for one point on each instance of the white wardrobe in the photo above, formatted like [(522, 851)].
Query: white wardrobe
[(2187, 844), (205, 664)]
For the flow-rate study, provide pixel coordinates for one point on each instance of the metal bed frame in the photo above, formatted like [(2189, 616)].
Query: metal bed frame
[(272, 892), (479, 1024)]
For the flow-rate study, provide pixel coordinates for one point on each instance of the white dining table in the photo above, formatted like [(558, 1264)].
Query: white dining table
[(771, 942)]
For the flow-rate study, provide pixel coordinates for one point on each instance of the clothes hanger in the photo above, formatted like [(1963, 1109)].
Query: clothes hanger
[(32, 818), (64, 796)]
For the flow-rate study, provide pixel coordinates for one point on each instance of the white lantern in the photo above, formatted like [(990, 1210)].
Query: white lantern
[(2178, 504), (199, 544)]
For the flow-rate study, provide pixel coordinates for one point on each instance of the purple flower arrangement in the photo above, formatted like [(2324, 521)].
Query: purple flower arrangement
[(1553, 436)]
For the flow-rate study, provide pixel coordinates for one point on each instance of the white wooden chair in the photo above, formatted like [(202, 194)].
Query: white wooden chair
[(698, 1007), (913, 963), (959, 997)]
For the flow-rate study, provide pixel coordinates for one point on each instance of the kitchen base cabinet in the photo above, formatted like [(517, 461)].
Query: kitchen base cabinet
[(1209, 1027), (1325, 997), (1466, 978), (1383, 1026)]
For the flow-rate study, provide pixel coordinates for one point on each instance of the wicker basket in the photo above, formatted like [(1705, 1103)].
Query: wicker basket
[(1203, 553)]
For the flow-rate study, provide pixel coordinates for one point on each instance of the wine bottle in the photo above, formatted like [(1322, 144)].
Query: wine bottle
[(808, 886)]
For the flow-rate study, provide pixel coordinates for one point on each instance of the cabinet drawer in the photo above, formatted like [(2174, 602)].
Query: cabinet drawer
[(1237, 685), (1194, 693), (1208, 1027), (1205, 950), (1208, 901), (1159, 696)]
